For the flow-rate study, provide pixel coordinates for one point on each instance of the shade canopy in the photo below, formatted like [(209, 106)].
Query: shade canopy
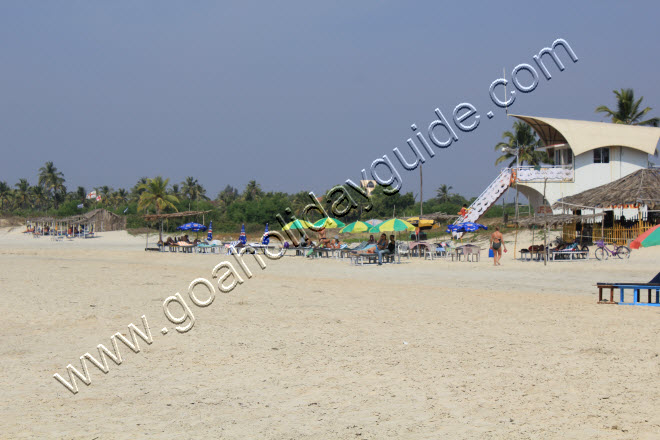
[(192, 226), (466, 227), (329, 223), (355, 227), (640, 187), (647, 239), (298, 224), (583, 136), (392, 225)]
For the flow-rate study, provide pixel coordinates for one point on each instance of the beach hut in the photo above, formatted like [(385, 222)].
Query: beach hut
[(629, 206)]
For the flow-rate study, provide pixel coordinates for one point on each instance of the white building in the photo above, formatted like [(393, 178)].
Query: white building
[(586, 155)]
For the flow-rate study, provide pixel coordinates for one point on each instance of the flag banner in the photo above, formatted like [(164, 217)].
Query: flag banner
[(125, 210), (98, 198), (81, 206), (91, 195)]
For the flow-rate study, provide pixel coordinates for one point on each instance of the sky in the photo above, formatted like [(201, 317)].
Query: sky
[(297, 95)]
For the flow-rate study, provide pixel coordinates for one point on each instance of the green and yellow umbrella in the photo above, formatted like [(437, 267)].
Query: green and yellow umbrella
[(392, 225), (357, 226), (298, 224), (329, 223)]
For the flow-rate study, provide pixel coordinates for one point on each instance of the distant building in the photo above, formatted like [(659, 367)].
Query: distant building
[(368, 185)]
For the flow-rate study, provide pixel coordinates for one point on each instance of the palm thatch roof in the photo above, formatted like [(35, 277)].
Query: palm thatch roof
[(640, 187), (152, 217), (557, 220)]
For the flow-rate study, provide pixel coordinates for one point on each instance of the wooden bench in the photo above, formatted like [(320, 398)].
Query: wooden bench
[(636, 288)]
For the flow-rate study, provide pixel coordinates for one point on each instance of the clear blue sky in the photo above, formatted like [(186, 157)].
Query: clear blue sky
[(297, 95)]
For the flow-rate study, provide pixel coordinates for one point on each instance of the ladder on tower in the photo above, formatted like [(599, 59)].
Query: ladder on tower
[(487, 198)]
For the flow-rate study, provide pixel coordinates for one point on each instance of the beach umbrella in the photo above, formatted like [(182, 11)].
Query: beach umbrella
[(329, 223), (647, 239), (242, 238), (392, 225), (355, 227), (265, 239), (298, 224), (374, 222), (192, 226), (466, 227), (209, 236)]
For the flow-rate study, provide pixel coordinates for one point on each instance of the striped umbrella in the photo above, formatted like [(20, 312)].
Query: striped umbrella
[(298, 224), (647, 239), (392, 225), (265, 239), (209, 236), (242, 238), (329, 223), (357, 226), (374, 222)]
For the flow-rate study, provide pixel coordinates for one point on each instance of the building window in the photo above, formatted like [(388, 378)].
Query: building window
[(602, 155)]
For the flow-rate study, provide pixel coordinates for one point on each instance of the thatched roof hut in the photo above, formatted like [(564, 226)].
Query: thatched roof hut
[(102, 219), (639, 188), (557, 220)]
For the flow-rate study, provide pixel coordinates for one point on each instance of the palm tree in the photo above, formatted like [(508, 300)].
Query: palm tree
[(252, 191), (443, 193), (154, 195), (22, 193), (189, 189), (119, 197), (39, 196), (523, 138), (137, 189), (51, 180), (627, 110), (227, 196), (5, 194), (80, 193)]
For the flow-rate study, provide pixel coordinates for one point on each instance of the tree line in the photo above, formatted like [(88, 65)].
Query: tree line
[(254, 206)]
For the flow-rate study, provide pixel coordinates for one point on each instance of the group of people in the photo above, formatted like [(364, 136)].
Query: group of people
[(383, 247), (178, 240)]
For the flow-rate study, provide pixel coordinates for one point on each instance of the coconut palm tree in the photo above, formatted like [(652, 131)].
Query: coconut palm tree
[(119, 197), (443, 193), (627, 110), (154, 196), (138, 188), (5, 195), (252, 191), (189, 189), (51, 180), (39, 196), (22, 193), (524, 138)]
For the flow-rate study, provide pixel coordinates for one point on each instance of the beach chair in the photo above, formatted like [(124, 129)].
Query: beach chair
[(653, 285)]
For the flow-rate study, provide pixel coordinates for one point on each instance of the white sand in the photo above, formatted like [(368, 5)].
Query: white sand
[(324, 350)]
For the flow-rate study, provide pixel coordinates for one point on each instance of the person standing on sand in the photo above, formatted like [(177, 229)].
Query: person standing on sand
[(496, 244)]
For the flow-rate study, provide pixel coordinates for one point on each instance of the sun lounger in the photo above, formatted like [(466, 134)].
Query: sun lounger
[(653, 285)]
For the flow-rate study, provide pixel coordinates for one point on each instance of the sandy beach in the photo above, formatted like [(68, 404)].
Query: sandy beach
[(321, 349)]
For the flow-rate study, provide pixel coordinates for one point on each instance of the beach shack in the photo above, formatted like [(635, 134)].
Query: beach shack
[(586, 155), (629, 206)]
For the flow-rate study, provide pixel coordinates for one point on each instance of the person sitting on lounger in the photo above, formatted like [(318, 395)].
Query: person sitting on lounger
[(372, 240), (381, 247)]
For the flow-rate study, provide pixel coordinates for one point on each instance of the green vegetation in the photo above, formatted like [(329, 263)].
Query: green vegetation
[(627, 110)]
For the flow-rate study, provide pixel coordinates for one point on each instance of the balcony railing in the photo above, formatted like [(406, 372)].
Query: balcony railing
[(554, 173)]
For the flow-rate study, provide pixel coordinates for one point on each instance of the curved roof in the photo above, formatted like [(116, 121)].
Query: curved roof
[(583, 136)]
